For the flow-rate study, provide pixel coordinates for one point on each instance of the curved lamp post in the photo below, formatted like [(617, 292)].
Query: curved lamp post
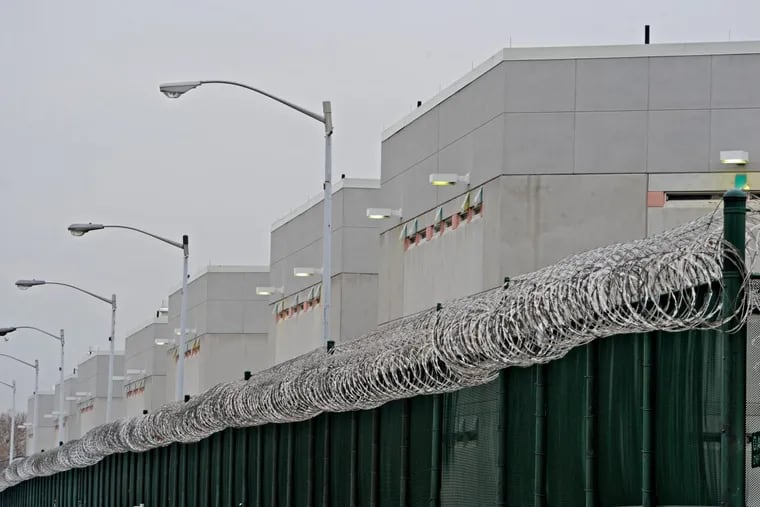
[(12, 449), (82, 229), (27, 284), (7, 330), (175, 90), (36, 366)]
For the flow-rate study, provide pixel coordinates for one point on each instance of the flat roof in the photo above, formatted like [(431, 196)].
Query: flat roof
[(574, 53), (340, 185)]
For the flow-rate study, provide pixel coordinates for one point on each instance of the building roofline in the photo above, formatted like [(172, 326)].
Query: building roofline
[(372, 183), (573, 53)]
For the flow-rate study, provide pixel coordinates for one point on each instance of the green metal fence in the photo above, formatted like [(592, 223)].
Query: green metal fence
[(568, 433)]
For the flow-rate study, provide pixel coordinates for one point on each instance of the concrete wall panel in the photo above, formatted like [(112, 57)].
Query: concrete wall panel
[(734, 129), (538, 143), (611, 142), (681, 82), (678, 141), (734, 81), (540, 86), (410, 146), (473, 106), (612, 84)]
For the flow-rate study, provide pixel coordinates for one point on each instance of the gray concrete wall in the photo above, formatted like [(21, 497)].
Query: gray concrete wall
[(227, 322), (46, 433), (297, 242), (92, 375), (567, 143), (146, 391)]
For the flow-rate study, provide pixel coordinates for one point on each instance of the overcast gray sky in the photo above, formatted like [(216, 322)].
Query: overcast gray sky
[(86, 136)]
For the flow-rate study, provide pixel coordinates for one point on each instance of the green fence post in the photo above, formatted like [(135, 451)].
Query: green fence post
[(591, 379), (435, 452), (734, 350), (648, 482), (354, 473), (289, 468), (259, 466), (501, 443), (404, 451), (326, 463), (539, 481), (375, 457), (275, 446), (242, 455), (310, 464)]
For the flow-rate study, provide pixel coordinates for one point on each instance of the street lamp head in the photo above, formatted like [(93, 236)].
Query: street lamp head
[(82, 229), (5, 330), (174, 90), (26, 284)]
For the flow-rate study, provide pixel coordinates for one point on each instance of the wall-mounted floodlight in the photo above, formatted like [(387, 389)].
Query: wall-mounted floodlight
[(268, 291), (303, 272), (175, 90), (72, 398), (380, 213), (734, 157), (118, 377), (164, 341), (445, 179)]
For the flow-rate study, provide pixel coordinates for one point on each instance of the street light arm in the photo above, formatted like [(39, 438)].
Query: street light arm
[(300, 109), (160, 238), (12, 386), (106, 300), (40, 330), (19, 360)]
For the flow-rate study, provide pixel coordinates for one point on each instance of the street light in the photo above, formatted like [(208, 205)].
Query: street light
[(175, 90), (4, 331), (36, 366), (82, 229), (11, 451), (26, 284)]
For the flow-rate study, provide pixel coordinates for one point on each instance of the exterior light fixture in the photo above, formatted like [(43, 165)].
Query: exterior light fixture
[(268, 291), (28, 284), (164, 341), (446, 179), (380, 213), (175, 90), (82, 394), (136, 372), (49, 416), (72, 398), (303, 272), (82, 229), (734, 157)]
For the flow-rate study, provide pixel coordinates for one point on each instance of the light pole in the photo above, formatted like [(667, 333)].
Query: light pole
[(12, 449), (27, 284), (36, 366), (175, 90), (82, 229), (7, 330)]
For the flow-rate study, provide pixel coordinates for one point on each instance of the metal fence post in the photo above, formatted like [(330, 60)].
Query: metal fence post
[(733, 385), (648, 483), (539, 476), (435, 453), (591, 409), (501, 450)]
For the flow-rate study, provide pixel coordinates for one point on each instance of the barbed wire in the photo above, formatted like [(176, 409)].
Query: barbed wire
[(671, 281)]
